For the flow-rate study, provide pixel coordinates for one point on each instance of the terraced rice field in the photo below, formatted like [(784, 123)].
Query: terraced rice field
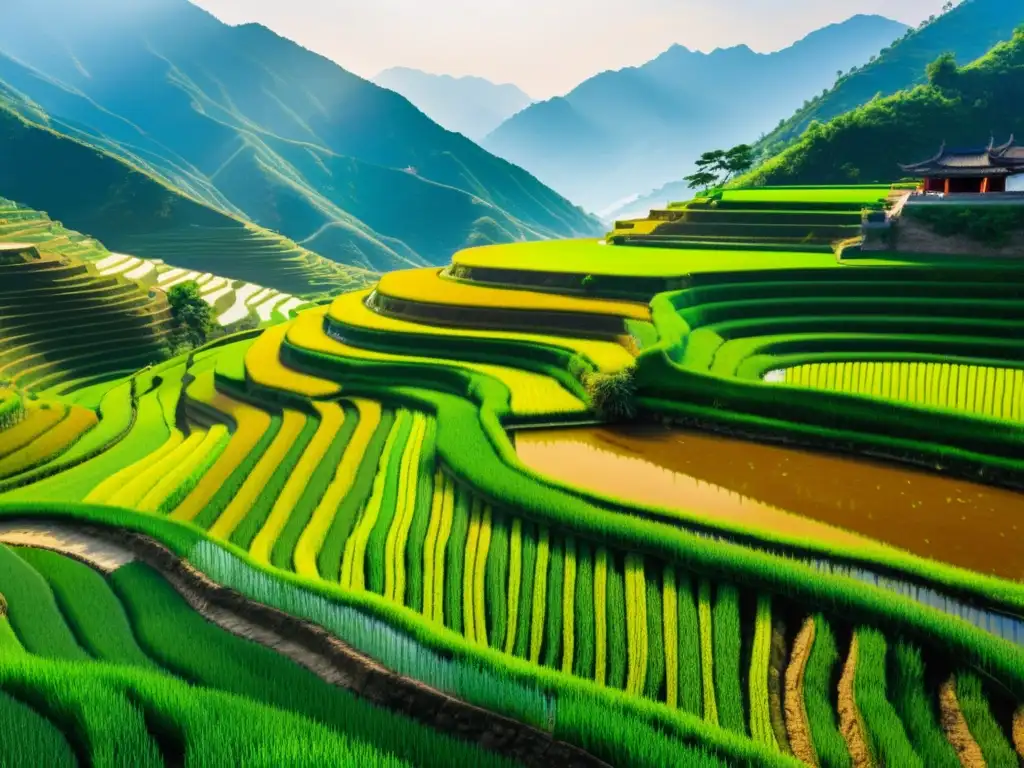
[(234, 300), (781, 492), (592, 257), (352, 492), (349, 313), (430, 287), (366, 536), (809, 195), (43, 300)]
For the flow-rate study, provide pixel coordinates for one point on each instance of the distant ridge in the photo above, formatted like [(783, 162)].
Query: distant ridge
[(625, 132), (470, 105)]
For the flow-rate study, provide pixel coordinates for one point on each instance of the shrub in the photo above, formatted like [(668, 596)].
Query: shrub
[(992, 225), (613, 395)]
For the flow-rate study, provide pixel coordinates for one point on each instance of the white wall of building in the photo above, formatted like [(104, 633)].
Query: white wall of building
[(1015, 183)]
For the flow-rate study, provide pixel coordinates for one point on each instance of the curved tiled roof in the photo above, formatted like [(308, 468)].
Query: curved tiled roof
[(1005, 159)]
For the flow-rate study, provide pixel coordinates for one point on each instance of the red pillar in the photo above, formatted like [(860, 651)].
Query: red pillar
[(984, 185), (946, 188)]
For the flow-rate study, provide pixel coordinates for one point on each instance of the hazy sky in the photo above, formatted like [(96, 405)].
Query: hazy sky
[(544, 46)]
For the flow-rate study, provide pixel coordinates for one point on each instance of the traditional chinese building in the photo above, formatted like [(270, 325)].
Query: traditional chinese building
[(971, 171)]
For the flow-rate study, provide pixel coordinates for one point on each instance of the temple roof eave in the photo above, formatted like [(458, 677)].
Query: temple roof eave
[(1005, 160), (1006, 169), (963, 173)]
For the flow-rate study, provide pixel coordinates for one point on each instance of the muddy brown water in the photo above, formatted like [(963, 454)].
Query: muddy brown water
[(799, 493)]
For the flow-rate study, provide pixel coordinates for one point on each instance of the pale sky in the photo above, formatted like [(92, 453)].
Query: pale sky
[(546, 47)]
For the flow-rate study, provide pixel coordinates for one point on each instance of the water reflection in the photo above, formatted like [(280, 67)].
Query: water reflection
[(803, 494)]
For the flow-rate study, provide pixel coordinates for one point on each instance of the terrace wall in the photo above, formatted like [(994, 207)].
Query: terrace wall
[(916, 231)]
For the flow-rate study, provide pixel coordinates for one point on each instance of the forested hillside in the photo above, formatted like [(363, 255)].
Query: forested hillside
[(967, 31), (960, 106)]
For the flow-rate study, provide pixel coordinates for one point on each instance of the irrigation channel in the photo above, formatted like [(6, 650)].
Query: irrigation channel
[(810, 496)]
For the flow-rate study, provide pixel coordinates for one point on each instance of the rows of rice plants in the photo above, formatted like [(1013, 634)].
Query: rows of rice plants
[(104, 710), (50, 443), (993, 741), (757, 691), (29, 738), (248, 507), (39, 417), (152, 642), (91, 610), (253, 430), (978, 390), (152, 435), (882, 704)]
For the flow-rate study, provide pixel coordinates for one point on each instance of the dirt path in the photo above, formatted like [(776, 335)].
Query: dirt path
[(850, 722), (307, 644), (955, 726), (797, 727), (92, 549)]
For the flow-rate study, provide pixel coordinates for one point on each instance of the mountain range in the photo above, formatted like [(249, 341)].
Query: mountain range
[(967, 31), (255, 127), (472, 106), (625, 132)]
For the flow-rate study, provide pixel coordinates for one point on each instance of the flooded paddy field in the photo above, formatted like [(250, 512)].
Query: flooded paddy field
[(802, 494)]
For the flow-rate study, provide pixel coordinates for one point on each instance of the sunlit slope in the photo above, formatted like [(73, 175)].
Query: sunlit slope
[(234, 301), (130, 211)]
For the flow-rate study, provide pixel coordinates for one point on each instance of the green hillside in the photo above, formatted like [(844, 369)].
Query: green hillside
[(128, 210), (967, 31), (961, 108), (253, 124)]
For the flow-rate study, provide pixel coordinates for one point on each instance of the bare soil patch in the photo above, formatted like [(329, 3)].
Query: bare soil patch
[(797, 727), (955, 725)]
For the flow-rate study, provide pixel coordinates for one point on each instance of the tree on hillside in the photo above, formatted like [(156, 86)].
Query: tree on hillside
[(193, 318), (718, 166), (702, 180), (942, 73)]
